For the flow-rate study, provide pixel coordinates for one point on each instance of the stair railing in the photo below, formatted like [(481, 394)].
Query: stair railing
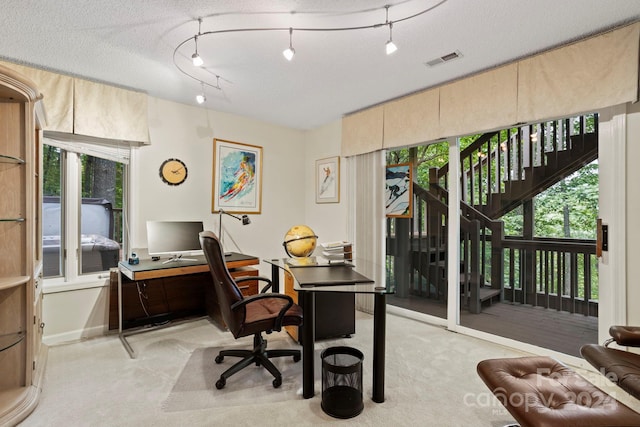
[(500, 162)]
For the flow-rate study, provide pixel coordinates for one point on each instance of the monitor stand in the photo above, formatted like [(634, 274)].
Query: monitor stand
[(177, 258)]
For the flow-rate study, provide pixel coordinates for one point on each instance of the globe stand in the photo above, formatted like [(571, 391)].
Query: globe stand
[(308, 261)]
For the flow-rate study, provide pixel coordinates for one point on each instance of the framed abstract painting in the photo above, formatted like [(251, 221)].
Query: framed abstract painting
[(328, 180), (237, 177), (398, 191)]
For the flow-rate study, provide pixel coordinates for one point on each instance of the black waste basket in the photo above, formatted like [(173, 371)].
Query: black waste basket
[(342, 381)]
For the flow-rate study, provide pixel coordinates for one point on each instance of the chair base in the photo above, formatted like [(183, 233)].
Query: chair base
[(259, 355)]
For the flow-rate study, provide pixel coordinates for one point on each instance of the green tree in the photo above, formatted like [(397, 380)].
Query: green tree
[(51, 171), (576, 195)]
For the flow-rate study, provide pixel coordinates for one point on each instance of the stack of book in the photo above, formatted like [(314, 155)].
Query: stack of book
[(337, 252)]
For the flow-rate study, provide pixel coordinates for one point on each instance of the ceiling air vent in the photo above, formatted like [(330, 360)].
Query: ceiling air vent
[(445, 58)]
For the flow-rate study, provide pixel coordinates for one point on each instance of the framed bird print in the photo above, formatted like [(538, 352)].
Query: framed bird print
[(328, 180), (237, 177)]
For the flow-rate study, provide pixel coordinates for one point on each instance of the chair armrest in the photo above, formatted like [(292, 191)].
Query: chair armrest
[(627, 336), (253, 298), (259, 278)]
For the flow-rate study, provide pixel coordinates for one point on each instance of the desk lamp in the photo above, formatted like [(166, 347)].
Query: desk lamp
[(244, 218)]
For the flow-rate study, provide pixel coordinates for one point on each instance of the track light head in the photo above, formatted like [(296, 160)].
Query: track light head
[(390, 46), (197, 60), (290, 51), (201, 97)]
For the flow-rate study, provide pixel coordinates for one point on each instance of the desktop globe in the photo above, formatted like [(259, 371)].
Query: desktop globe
[(300, 241)]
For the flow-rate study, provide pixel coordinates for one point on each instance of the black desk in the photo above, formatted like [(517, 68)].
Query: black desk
[(310, 280)]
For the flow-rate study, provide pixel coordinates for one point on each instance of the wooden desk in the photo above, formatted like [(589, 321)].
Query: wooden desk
[(153, 293), (148, 269)]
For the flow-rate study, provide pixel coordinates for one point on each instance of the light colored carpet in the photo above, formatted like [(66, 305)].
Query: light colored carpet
[(430, 380), (195, 387)]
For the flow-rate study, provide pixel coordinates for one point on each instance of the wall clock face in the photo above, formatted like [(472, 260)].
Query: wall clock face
[(173, 171)]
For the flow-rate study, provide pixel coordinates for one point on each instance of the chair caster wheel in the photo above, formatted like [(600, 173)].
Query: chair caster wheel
[(277, 382), (296, 358), (219, 360), (221, 383)]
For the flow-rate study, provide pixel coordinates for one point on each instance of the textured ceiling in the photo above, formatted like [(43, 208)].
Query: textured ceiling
[(131, 43)]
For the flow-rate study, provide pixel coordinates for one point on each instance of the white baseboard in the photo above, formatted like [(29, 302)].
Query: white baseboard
[(74, 336), (414, 315)]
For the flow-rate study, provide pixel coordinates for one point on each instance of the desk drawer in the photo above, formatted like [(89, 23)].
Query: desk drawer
[(250, 287)]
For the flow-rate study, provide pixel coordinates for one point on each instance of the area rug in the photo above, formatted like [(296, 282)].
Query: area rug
[(195, 387)]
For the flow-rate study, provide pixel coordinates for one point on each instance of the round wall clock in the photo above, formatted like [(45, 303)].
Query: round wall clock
[(173, 171)]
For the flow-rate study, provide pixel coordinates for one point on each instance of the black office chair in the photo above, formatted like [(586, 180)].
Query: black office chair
[(249, 316)]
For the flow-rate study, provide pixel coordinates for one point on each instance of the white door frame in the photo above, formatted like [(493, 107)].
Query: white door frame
[(612, 268)]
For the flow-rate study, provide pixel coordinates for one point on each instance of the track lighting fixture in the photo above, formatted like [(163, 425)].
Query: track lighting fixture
[(390, 47), (195, 58), (290, 51), (201, 97)]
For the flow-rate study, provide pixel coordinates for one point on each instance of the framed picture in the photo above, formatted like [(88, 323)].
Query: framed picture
[(328, 180), (237, 177), (398, 191)]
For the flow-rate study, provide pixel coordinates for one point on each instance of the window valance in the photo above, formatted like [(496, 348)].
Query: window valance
[(580, 77), (81, 107), (364, 132)]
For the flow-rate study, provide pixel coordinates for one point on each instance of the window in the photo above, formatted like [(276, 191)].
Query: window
[(84, 193)]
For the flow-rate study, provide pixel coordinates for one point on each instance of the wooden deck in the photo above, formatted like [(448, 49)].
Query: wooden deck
[(555, 330)]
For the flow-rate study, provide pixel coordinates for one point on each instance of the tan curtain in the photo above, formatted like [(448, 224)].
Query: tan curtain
[(57, 91), (362, 132), (412, 118), (580, 77), (479, 103), (81, 107), (104, 111)]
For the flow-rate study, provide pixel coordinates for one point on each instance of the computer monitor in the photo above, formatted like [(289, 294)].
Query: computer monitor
[(174, 238)]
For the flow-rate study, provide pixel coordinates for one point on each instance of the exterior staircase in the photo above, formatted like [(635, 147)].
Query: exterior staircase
[(538, 178), (500, 171)]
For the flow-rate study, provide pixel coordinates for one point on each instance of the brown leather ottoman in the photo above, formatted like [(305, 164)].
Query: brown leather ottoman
[(620, 367), (542, 392)]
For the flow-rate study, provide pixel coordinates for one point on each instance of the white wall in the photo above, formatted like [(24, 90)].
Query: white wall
[(187, 133), (76, 314), (633, 207), (328, 220)]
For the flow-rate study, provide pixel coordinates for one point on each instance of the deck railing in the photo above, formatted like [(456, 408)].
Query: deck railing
[(560, 274)]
